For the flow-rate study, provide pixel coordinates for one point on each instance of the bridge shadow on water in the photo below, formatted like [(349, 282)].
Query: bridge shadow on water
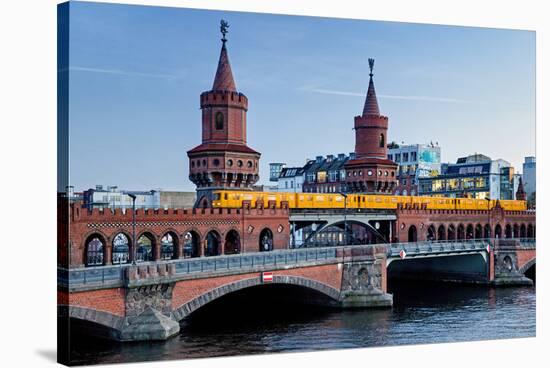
[(285, 318)]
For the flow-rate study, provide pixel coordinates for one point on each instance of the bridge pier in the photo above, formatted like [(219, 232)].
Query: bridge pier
[(364, 279), (508, 258)]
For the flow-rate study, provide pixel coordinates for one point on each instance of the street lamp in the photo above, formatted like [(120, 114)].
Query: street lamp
[(345, 216), (133, 196)]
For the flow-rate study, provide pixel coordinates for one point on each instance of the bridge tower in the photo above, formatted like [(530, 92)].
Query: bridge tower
[(223, 160), (371, 171)]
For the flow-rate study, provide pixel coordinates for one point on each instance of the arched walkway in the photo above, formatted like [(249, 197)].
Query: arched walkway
[(530, 232), (430, 236), (266, 240), (168, 246), (213, 246), (478, 232), (498, 231), (522, 231), (487, 231), (95, 250), (441, 233), (145, 247), (412, 234), (508, 231), (516, 231), (191, 244), (121, 249), (232, 242), (451, 233), (470, 231), (460, 234)]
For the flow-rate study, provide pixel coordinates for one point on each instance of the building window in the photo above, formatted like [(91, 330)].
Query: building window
[(397, 157), (216, 162), (413, 156), (390, 157), (219, 120), (369, 173), (405, 156), (382, 141), (239, 163), (229, 162), (249, 164)]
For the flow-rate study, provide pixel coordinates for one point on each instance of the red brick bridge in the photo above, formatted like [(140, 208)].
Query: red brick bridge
[(184, 259)]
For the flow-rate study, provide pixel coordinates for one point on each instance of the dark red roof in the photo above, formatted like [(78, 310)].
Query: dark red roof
[(370, 161), (224, 76), (371, 102), (217, 147)]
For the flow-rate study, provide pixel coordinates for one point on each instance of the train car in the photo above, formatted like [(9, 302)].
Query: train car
[(513, 205), (234, 199)]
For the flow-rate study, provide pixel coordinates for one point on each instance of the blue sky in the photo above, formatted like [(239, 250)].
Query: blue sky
[(136, 73)]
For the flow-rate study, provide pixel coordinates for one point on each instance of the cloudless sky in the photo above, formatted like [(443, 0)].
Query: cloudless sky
[(136, 74)]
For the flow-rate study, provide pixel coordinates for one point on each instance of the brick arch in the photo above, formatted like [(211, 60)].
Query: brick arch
[(527, 265), (176, 238), (87, 238), (130, 242), (192, 229), (155, 242), (224, 240), (106, 319), (189, 307)]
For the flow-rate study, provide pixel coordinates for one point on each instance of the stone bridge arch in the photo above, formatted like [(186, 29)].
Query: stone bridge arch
[(192, 305), (523, 269), (111, 323)]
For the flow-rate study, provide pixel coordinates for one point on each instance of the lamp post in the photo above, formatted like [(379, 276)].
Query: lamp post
[(345, 216), (133, 196)]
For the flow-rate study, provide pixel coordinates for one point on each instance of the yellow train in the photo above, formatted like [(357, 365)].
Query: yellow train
[(234, 199)]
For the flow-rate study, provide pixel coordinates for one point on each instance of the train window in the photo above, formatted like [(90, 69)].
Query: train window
[(216, 196), (225, 196)]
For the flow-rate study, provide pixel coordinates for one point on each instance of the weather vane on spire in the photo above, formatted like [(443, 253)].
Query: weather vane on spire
[(371, 66), (223, 29)]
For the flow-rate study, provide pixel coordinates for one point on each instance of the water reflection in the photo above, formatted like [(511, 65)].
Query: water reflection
[(264, 322)]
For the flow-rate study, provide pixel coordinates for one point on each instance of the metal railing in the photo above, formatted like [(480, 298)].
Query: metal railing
[(437, 247)]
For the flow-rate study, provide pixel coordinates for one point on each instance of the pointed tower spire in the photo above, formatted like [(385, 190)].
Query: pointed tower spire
[(371, 102), (520, 193), (224, 76)]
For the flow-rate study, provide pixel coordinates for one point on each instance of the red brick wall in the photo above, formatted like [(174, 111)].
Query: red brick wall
[(419, 217), (185, 291), (525, 256), (107, 300), (109, 223)]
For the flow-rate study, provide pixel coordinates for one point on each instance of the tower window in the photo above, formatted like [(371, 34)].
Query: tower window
[(219, 120), (382, 141)]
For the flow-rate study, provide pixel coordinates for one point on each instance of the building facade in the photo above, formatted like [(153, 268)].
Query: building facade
[(223, 160), (474, 176), (530, 175), (111, 197), (414, 161)]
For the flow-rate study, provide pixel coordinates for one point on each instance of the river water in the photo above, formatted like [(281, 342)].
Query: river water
[(256, 323)]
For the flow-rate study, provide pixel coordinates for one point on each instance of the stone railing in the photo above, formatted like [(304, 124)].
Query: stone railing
[(145, 273)]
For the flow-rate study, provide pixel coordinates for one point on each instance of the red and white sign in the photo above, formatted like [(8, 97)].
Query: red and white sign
[(488, 248), (267, 276), (402, 253)]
